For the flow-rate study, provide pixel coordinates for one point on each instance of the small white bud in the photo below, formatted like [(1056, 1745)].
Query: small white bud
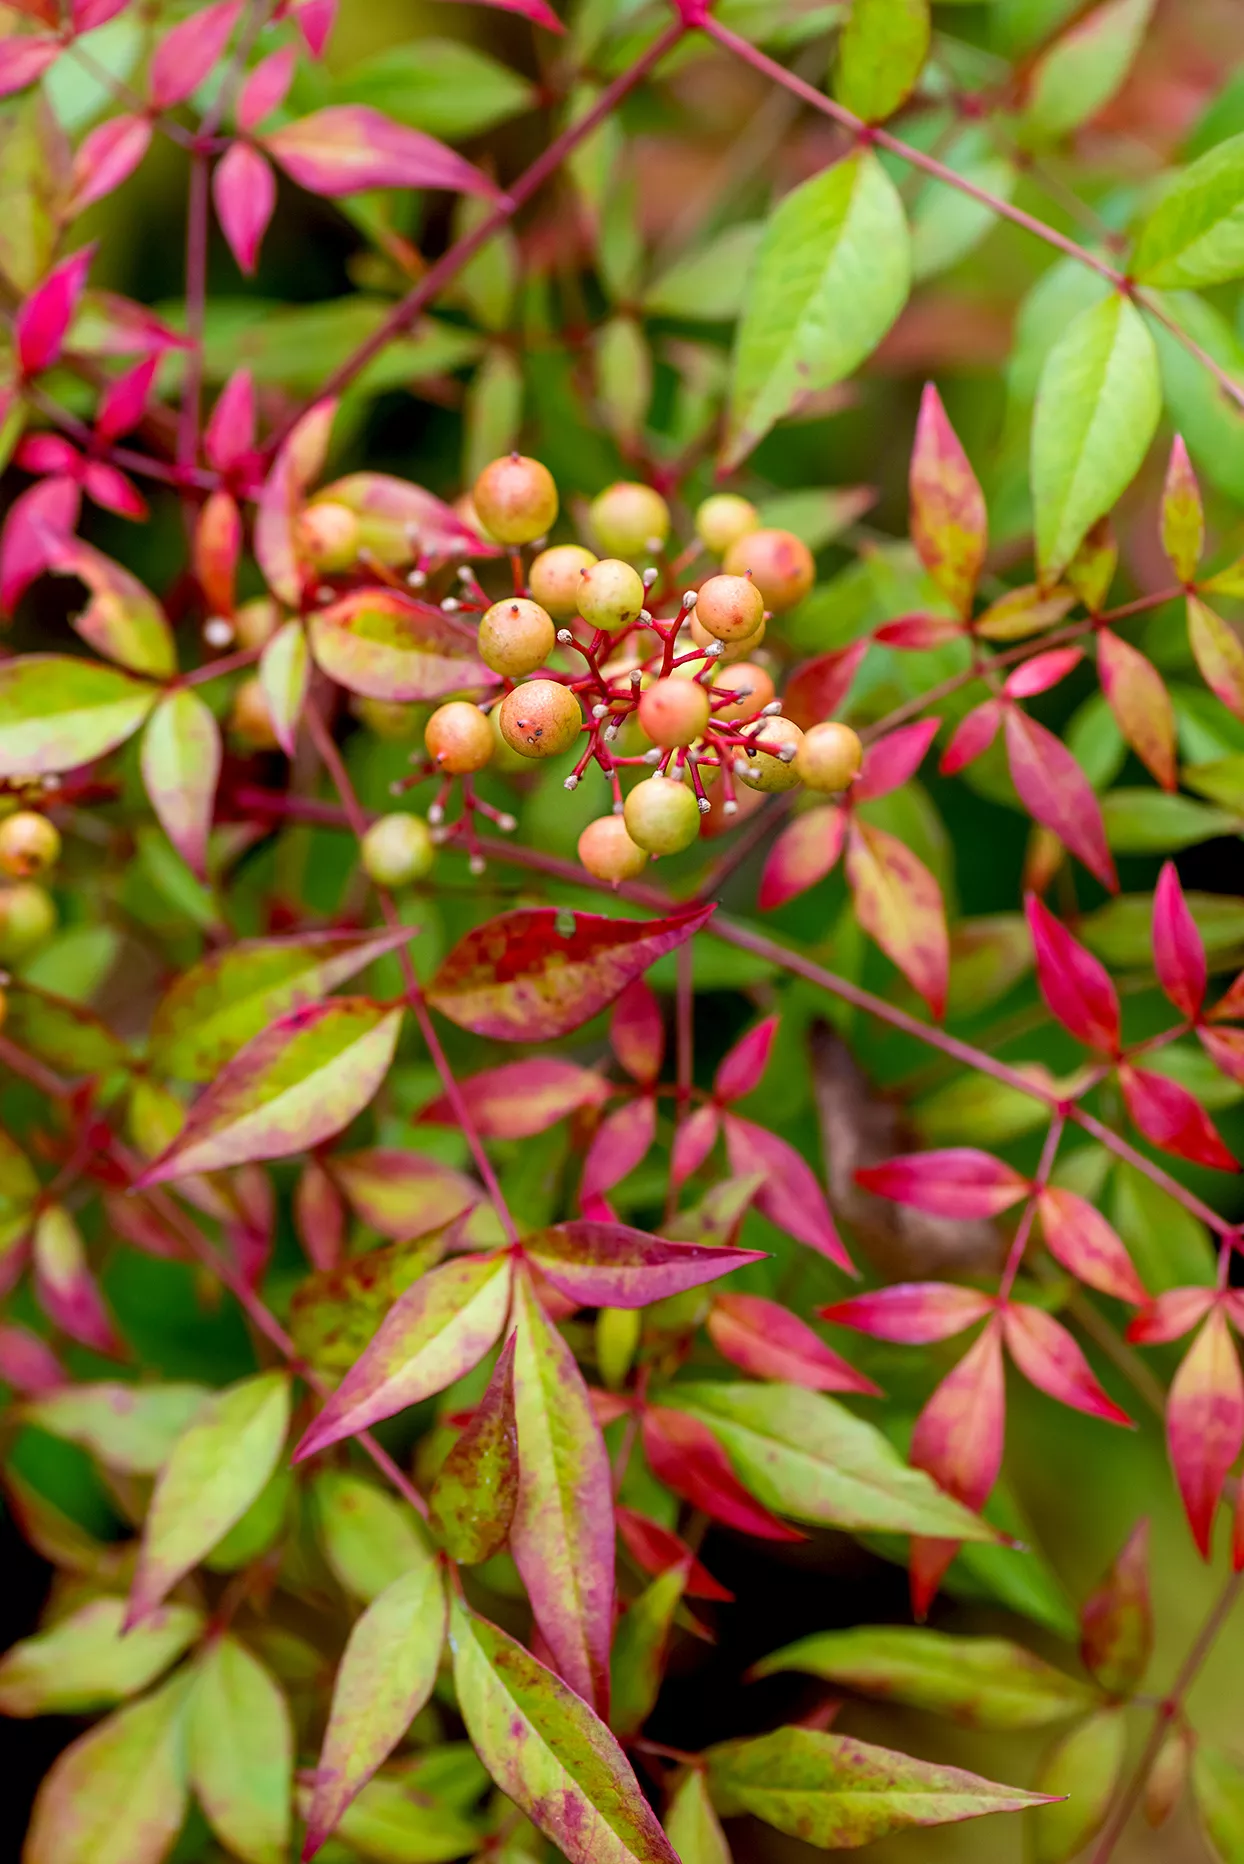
[(787, 753), (619, 807), (654, 756), (703, 804), (730, 807), (611, 731), (772, 710), (439, 835), (714, 650), (451, 605), (650, 576), (637, 675), (477, 864), (571, 782), (465, 573), (644, 615), (324, 595), (51, 782), (416, 579), (741, 768), (507, 824), (565, 637), (217, 631), (436, 815), (690, 598), (600, 711)]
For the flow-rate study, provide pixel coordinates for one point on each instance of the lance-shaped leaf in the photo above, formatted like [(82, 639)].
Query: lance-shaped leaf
[(538, 973), (692, 1826), (742, 1069), (381, 645), (441, 1327), (266, 87), (1195, 233), (948, 521), (655, 1549), (683, 1453), (1170, 1316), (369, 1538), (767, 1340), (611, 1265), (789, 1195), (1076, 985), (294, 1085), (802, 1453), (972, 737), (561, 1534), (1057, 794), (548, 1752), (1225, 1048), (284, 674), (913, 634), (899, 903), (1218, 1787), (620, 1143), (240, 1744), (1183, 519), (1205, 1423), (130, 1428), (806, 850), (1042, 672), (64, 1285), (476, 1489), (23, 59), (187, 53), (913, 1313), (1169, 1116), (1116, 1621), (319, 1216), (116, 1795), (1218, 653), (385, 1676), (244, 194), (637, 1034), (881, 50), (818, 688), (57, 712), (639, 1651), (216, 549), (1178, 948), (1080, 1774), (838, 1793), (350, 147), (959, 1434), (28, 1363), (1050, 1359), (982, 1682), (894, 759), (43, 319), (83, 1662), (37, 518), (401, 1193), (1078, 1236), (694, 1139), (522, 1097), (1168, 1776), (181, 766), (334, 1314), (959, 1181), (1136, 694), (217, 1468), (123, 619)]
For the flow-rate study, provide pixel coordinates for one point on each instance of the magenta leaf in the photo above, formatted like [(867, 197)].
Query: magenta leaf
[(913, 1313), (656, 1549), (1178, 949), (350, 147), (42, 321), (611, 1265), (958, 1440), (64, 1285), (972, 737), (538, 11), (22, 60), (915, 634), (767, 1340), (684, 1454), (1050, 1359), (619, 1144), (1057, 794), (1170, 1315), (266, 86), (107, 156), (957, 1182), (521, 1098), (894, 759), (694, 1140), (229, 437), (35, 523), (806, 850), (636, 1032), (790, 1196), (186, 54), (1041, 672), (1078, 1237), (742, 1070), (28, 1363), (124, 402), (244, 190), (817, 689), (1076, 985), (1169, 1116)]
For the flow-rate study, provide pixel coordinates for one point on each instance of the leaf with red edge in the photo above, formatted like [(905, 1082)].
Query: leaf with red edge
[(65, 1288), (1178, 949), (1183, 519), (539, 972), (22, 60), (537, 11), (1078, 1237), (636, 1032), (619, 1144), (384, 645), (742, 1070), (124, 401), (1225, 1048), (899, 903), (693, 1141), (186, 54), (1169, 1316), (684, 1454), (913, 1313), (948, 520), (285, 678), (473, 1498), (521, 1098), (806, 850), (767, 1340), (43, 319), (400, 521), (1049, 1358), (1171, 1119), (181, 765), (1057, 794), (88, 14), (35, 522), (123, 619), (972, 737), (28, 1363), (1136, 693), (790, 1197), (266, 86), (1218, 653), (612, 1265), (918, 633), (958, 1181), (958, 1440), (244, 190), (348, 148), (401, 1193), (105, 158), (818, 688), (655, 1549), (229, 437), (1076, 986), (894, 759), (1116, 1621), (1042, 672), (1205, 1423), (1230, 1007)]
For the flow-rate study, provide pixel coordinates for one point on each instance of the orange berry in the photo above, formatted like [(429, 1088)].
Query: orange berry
[(457, 738), (780, 565), (516, 499), (731, 651), (762, 770), (29, 845), (250, 719), (328, 535), (752, 682), (662, 815), (722, 519), (540, 718), (829, 756), (515, 636), (610, 595), (630, 520), (674, 712), (255, 622), (554, 578), (730, 608), (607, 851)]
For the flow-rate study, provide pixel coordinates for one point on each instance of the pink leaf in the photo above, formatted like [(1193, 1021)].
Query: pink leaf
[(1178, 950), (770, 1342), (948, 521), (611, 1265), (401, 1193), (1169, 1316), (913, 1313), (918, 633), (244, 190), (319, 1217), (217, 547), (107, 487), (181, 758), (1076, 985), (636, 1032), (790, 1196), (64, 1285), (88, 14), (655, 1549), (187, 53), (893, 760), (899, 903), (36, 520), (124, 401), (1041, 672), (1205, 1423), (972, 737), (229, 437), (22, 60), (538, 11), (1056, 793), (1136, 693), (694, 1140), (619, 1144), (818, 688), (315, 20), (350, 147), (1050, 1359), (107, 157), (1225, 1048), (957, 1182), (28, 1363), (806, 850), (1169, 1116), (266, 86), (684, 1454), (48, 453), (43, 320), (1079, 1237), (958, 1436), (521, 1098), (743, 1068)]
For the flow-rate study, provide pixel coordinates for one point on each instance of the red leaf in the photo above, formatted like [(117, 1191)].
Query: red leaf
[(972, 737), (347, 148), (894, 759), (229, 437), (806, 850), (1167, 1115), (1169, 1316), (48, 453), (1136, 693), (22, 60), (111, 489), (319, 1217), (636, 1032), (1225, 1048), (959, 1435), (694, 1140), (266, 86), (535, 10), (684, 1454), (124, 401), (770, 1342), (1041, 672), (913, 1313), (521, 1098), (656, 1549), (1230, 1008), (1076, 985), (539, 972), (948, 521), (817, 689), (899, 903), (611, 1265), (65, 1288), (216, 549), (1079, 1237), (743, 1068), (790, 1196), (43, 320), (959, 1181), (619, 1144), (28, 1363), (1055, 792), (1178, 950), (244, 190), (106, 157), (1218, 653), (1050, 1359), (37, 520), (917, 633), (1205, 1423), (185, 55), (1183, 520)]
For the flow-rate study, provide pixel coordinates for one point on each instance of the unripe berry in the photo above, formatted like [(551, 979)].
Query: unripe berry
[(457, 738), (328, 535), (763, 771), (250, 720), (610, 595), (730, 608), (744, 678), (780, 565), (674, 712), (515, 637), (731, 651), (662, 815), (630, 520), (504, 757), (29, 845), (516, 499), (27, 919), (607, 851), (395, 720), (722, 519), (554, 578), (397, 850), (540, 718), (829, 757), (255, 623)]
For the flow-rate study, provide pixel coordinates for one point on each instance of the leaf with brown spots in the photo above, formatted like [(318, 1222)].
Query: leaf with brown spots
[(474, 1495)]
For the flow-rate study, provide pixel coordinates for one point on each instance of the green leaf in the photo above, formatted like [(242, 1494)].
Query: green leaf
[(385, 1676), (1082, 71), (1121, 930), (395, 1823), (1152, 822), (548, 1752), (401, 1193), (980, 1109), (217, 1468), (709, 285), (440, 86), (335, 1314), (370, 1539), (835, 1792), (800, 1453), (946, 224), (1097, 408), (831, 276), (83, 1662), (181, 764), (1082, 1770), (639, 1646), (130, 1428), (123, 619), (1218, 1785), (476, 1489), (881, 53), (57, 712), (284, 675), (1195, 234), (692, 1826), (241, 1753), (981, 1682)]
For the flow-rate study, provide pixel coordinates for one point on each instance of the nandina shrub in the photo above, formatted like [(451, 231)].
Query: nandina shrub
[(475, 1299)]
